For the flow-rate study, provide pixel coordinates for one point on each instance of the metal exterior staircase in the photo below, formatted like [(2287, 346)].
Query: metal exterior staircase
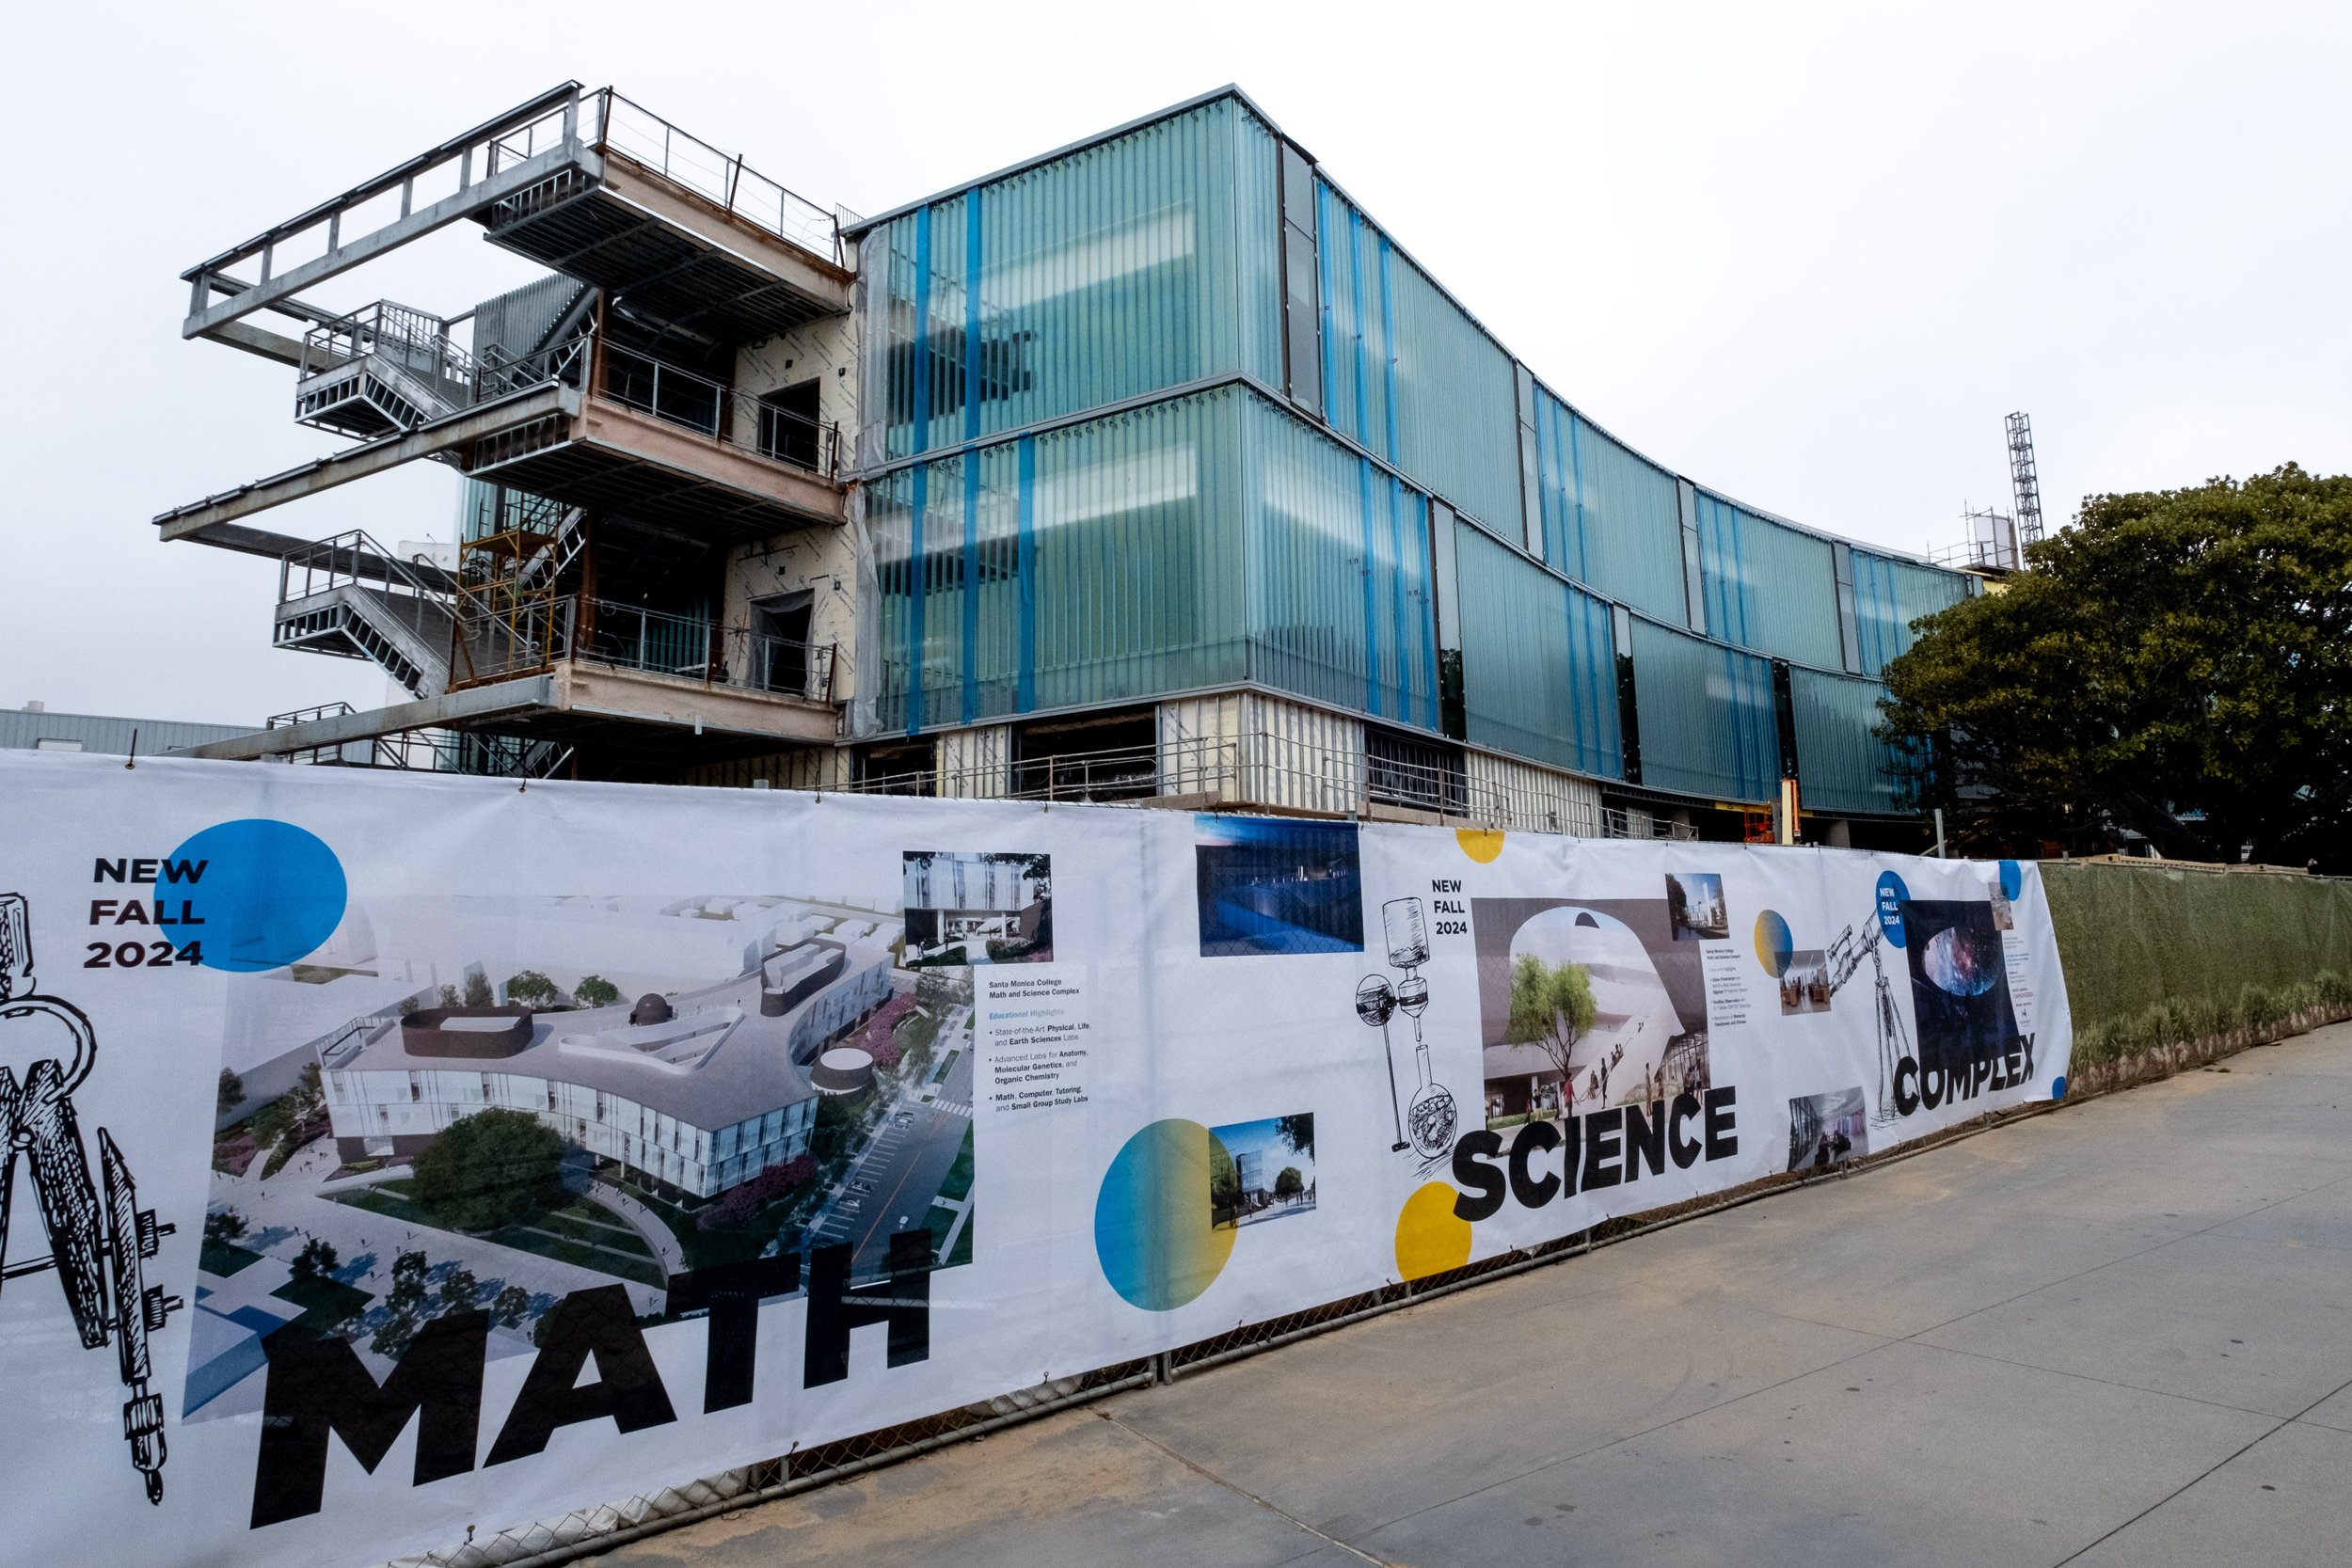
[(383, 368), (351, 598)]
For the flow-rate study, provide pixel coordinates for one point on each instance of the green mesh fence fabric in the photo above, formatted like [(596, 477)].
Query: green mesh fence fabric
[(2156, 955)]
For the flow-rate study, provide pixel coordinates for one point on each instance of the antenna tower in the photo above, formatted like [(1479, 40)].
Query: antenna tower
[(2023, 480)]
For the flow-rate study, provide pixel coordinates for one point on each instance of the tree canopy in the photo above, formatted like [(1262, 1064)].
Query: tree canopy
[(491, 1168), (1551, 1007), (2178, 664)]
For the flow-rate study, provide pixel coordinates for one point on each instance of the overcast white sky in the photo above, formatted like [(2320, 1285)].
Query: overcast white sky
[(1810, 255)]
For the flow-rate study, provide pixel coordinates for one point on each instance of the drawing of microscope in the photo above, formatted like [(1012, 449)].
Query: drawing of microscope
[(99, 1237), (1426, 1125)]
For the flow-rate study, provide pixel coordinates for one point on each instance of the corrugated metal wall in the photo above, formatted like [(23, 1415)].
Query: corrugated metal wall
[(1126, 268), (975, 764), (1248, 747), (1523, 798), (1841, 766), (22, 731), (1706, 718), (1538, 670)]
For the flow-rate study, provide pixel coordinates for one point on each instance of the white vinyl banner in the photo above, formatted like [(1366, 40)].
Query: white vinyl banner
[(395, 1155)]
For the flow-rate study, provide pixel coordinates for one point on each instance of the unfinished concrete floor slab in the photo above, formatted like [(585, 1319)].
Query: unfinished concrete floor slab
[(2119, 1334)]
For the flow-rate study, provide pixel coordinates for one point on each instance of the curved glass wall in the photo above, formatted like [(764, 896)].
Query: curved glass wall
[(1538, 670), (1275, 529), (1705, 711), (1842, 765)]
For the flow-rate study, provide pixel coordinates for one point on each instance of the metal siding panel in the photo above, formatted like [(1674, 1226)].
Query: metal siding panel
[(106, 736)]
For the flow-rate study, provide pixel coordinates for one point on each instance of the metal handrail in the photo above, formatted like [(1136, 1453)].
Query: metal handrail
[(306, 715), (631, 636), (1263, 770), (351, 560), (653, 143), (712, 408)]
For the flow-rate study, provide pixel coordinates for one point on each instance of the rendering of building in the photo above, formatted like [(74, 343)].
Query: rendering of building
[(695, 1092), (1152, 468)]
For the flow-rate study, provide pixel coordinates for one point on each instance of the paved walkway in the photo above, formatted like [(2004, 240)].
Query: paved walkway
[(2117, 1334)]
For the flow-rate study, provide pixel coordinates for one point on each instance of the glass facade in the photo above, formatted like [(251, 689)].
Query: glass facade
[(1284, 513), (1844, 766), (1539, 671), (1204, 540), (1125, 268), (1768, 587), (1707, 725), (1607, 518), (1890, 594)]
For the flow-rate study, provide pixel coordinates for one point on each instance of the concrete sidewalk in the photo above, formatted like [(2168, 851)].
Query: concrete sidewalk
[(2117, 1333)]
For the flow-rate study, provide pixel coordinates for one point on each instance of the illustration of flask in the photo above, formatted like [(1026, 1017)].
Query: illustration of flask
[(1430, 1117)]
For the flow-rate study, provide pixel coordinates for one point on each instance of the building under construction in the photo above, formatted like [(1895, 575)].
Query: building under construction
[(1150, 468)]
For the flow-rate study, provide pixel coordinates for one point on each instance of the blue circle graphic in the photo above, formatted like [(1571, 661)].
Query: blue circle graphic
[(260, 893), (2011, 878), (2058, 1087), (1891, 898)]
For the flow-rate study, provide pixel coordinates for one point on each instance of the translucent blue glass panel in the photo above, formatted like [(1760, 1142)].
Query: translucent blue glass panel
[(1538, 669), (1706, 718), (1337, 574), (1841, 764), (1130, 266), (1408, 375), (1609, 517), (1768, 587), (1888, 597), (1086, 564), (1358, 290)]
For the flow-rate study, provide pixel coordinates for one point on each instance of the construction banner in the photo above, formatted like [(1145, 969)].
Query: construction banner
[(392, 1157)]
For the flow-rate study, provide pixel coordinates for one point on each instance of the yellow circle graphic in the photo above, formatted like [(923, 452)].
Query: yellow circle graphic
[(1480, 843), (1430, 1238)]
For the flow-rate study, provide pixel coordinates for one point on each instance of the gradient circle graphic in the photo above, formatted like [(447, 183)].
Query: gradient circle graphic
[(1892, 896), (1151, 1230), (1480, 843), (1430, 1237), (268, 893), (1774, 944), (2011, 878)]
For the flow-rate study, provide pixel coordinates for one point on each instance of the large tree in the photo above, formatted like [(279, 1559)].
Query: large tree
[(491, 1168), (2178, 664)]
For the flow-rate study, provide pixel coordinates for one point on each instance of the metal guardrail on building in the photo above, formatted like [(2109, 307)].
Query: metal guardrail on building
[(1264, 770)]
